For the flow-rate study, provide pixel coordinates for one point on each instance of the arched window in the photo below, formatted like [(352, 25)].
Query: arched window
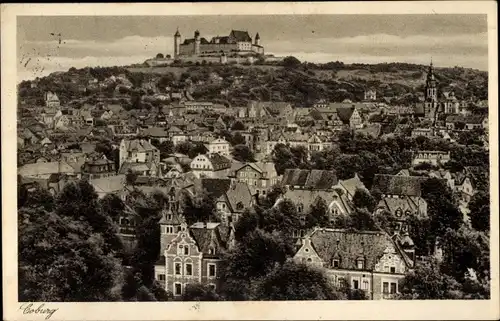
[(239, 206), (300, 207)]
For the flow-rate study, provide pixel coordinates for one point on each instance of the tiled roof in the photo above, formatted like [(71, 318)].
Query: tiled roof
[(207, 237), (240, 35), (110, 184), (351, 184), (45, 168), (349, 246), (310, 179), (398, 185), (239, 193), (139, 145)]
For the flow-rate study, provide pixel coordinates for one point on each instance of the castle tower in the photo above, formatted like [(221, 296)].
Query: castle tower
[(257, 39), (177, 44), (196, 42)]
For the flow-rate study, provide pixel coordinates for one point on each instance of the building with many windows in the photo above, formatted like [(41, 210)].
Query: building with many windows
[(371, 261)]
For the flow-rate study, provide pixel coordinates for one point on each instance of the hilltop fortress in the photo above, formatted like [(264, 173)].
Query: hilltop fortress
[(237, 44)]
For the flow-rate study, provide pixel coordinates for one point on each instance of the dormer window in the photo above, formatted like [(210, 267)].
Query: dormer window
[(211, 251), (336, 263), (360, 263), (300, 208)]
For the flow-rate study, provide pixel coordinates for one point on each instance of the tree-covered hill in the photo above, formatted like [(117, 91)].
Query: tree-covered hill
[(299, 83)]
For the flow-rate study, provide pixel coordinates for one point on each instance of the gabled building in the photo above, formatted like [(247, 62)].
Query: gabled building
[(189, 255), (138, 151), (371, 261), (231, 198), (219, 146), (260, 176), (210, 165)]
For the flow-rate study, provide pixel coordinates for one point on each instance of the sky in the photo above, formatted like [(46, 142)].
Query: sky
[(449, 40)]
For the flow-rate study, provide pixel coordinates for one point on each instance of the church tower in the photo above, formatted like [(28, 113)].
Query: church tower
[(177, 44), (196, 42), (257, 39), (431, 95)]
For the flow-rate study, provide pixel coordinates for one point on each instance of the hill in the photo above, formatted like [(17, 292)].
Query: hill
[(301, 83)]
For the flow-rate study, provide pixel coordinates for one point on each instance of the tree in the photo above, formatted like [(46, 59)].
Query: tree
[(479, 207), (62, 260), (363, 199), (131, 177), (291, 62), (427, 282), (199, 208), (243, 153), (238, 125), (237, 139), (159, 56), (293, 281), (318, 215), (199, 292)]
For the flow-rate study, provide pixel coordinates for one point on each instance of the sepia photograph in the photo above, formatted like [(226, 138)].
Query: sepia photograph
[(246, 156)]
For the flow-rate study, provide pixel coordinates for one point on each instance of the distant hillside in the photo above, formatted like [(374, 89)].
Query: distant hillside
[(299, 83)]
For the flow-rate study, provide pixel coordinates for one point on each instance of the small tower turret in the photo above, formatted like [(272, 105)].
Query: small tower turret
[(257, 39), (196, 42), (177, 43)]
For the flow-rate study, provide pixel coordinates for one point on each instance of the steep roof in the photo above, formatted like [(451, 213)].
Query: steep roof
[(240, 35), (349, 246), (398, 185), (310, 179), (206, 237), (239, 192), (139, 145)]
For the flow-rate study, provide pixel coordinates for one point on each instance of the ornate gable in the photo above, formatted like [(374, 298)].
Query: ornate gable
[(391, 262)]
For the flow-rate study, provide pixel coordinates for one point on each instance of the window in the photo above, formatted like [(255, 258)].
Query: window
[(161, 277), (211, 251), (178, 269), (212, 286), (189, 269), (336, 263), (393, 269), (394, 287), (179, 249), (385, 287), (177, 289), (355, 284), (361, 264), (365, 285), (309, 259), (186, 250), (211, 270)]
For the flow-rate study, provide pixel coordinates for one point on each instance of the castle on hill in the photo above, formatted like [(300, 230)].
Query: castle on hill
[(238, 43)]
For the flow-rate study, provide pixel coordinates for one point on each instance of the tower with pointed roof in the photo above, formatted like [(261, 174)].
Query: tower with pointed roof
[(177, 43), (257, 39), (431, 94)]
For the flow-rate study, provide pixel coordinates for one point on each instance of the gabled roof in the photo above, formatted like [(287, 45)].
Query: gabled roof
[(238, 193), (240, 35), (310, 179), (206, 237), (349, 246), (398, 185)]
